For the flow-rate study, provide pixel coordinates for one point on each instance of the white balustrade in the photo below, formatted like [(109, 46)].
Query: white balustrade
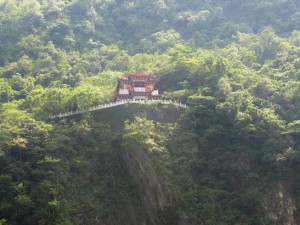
[(122, 102)]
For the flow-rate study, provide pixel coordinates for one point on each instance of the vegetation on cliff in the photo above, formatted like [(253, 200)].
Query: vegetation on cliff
[(237, 64)]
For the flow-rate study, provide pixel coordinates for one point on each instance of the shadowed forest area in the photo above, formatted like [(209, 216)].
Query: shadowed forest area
[(231, 158)]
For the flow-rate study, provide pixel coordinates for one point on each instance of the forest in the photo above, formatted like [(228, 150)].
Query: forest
[(231, 158)]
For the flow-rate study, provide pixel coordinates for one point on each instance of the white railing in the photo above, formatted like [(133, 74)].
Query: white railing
[(113, 104)]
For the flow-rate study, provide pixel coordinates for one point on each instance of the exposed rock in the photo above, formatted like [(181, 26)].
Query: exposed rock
[(280, 206), (156, 199)]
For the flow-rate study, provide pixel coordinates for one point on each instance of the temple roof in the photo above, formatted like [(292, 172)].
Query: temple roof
[(139, 74)]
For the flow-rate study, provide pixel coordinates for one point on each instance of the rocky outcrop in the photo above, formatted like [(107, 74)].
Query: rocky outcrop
[(156, 199), (280, 206)]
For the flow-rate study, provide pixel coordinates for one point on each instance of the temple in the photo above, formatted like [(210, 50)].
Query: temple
[(137, 86)]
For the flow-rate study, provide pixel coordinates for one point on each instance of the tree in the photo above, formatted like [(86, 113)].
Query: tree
[(6, 91)]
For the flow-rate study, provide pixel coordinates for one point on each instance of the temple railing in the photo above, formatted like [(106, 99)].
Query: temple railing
[(113, 104)]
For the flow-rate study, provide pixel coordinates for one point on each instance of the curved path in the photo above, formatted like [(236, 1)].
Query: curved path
[(113, 104)]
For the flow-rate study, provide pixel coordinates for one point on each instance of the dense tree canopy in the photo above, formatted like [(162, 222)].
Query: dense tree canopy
[(235, 63)]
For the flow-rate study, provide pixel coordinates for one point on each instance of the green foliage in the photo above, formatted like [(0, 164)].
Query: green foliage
[(151, 136), (235, 63)]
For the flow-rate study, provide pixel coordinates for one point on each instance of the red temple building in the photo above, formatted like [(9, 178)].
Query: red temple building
[(136, 87)]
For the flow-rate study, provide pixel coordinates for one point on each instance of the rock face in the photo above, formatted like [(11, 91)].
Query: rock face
[(117, 115), (157, 207), (156, 199), (280, 206)]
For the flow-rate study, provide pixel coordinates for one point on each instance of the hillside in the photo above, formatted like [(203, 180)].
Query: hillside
[(232, 157)]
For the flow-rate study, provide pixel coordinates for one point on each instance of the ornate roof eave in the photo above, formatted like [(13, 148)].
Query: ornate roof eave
[(123, 79), (131, 77), (140, 74), (154, 79)]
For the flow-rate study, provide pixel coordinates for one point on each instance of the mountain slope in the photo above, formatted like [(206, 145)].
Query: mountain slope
[(231, 158)]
